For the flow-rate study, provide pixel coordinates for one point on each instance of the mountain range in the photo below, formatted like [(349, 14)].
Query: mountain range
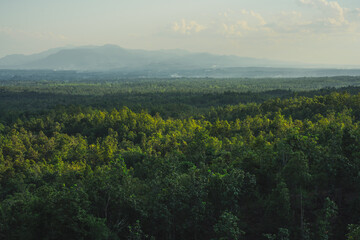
[(115, 58)]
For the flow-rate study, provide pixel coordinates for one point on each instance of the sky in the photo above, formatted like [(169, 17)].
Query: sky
[(307, 31)]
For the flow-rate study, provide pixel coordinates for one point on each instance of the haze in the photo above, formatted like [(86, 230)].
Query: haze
[(310, 31)]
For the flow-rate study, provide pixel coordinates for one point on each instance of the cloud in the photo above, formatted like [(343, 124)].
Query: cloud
[(334, 14), (187, 27), (242, 23), (289, 22), (324, 18), (314, 19), (252, 15), (357, 12), (232, 30), (258, 17)]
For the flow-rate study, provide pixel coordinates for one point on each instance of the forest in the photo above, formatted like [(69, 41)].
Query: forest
[(220, 159)]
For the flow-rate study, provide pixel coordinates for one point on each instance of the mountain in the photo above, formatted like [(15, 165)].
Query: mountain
[(21, 59), (112, 57)]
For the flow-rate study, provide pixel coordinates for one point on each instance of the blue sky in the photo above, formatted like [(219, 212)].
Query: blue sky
[(314, 31)]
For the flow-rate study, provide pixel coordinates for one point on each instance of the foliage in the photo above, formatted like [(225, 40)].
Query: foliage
[(277, 169)]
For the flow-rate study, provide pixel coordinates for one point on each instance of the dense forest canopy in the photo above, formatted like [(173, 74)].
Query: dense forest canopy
[(29, 92), (180, 159)]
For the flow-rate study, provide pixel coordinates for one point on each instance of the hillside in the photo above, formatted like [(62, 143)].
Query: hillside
[(112, 57)]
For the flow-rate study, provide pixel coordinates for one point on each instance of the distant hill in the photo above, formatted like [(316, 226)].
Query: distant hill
[(19, 60), (112, 57)]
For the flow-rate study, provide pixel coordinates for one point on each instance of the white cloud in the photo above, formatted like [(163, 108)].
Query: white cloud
[(252, 15), (245, 25), (231, 30), (187, 27), (258, 17), (289, 22), (324, 18), (333, 13), (242, 23)]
